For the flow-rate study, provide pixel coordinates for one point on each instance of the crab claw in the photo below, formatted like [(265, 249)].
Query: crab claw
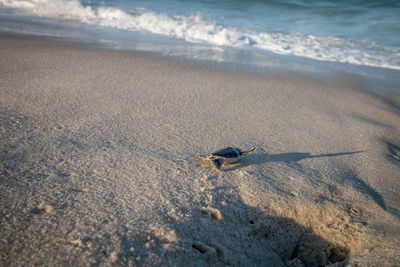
[(217, 163)]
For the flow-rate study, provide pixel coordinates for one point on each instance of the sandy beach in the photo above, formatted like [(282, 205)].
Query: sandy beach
[(98, 163)]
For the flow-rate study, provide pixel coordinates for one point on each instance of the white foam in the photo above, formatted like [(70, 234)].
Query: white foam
[(194, 29)]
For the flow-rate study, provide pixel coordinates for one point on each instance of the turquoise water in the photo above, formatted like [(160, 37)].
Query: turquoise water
[(356, 35)]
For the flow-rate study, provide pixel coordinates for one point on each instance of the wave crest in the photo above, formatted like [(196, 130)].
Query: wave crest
[(194, 29)]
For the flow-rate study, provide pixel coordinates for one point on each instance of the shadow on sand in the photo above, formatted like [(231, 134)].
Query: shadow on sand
[(348, 176), (260, 158), (245, 236)]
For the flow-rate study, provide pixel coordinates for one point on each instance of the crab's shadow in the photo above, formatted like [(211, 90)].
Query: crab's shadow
[(348, 176), (260, 158)]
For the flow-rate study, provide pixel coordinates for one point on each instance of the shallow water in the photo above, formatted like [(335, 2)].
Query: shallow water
[(357, 36)]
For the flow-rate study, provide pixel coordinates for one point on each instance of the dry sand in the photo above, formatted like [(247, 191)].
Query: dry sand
[(97, 163)]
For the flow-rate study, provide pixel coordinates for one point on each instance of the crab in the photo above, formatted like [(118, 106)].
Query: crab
[(225, 156)]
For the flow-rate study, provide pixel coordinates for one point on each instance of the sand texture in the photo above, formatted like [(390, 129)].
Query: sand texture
[(98, 164)]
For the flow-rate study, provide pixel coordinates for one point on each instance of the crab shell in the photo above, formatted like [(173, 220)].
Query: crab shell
[(227, 155)]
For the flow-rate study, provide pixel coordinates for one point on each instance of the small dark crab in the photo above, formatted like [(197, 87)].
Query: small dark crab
[(225, 156)]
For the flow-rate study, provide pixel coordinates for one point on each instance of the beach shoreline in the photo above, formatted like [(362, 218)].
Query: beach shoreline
[(98, 166)]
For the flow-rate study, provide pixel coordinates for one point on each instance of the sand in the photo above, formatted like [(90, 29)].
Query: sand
[(97, 163)]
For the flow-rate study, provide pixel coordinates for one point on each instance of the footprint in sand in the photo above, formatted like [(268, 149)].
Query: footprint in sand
[(313, 252), (204, 249), (212, 251), (299, 246)]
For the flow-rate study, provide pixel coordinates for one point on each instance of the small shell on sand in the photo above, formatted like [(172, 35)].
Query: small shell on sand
[(45, 207), (214, 213)]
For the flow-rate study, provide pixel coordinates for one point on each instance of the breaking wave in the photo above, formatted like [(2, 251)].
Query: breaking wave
[(196, 30)]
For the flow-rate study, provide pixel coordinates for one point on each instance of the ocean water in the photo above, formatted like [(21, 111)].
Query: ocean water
[(360, 36)]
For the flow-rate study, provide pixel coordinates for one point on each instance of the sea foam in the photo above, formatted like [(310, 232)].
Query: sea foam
[(196, 30)]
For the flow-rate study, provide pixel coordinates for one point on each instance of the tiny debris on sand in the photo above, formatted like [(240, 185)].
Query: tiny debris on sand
[(45, 207), (214, 213), (76, 242), (114, 256), (295, 263), (164, 235)]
